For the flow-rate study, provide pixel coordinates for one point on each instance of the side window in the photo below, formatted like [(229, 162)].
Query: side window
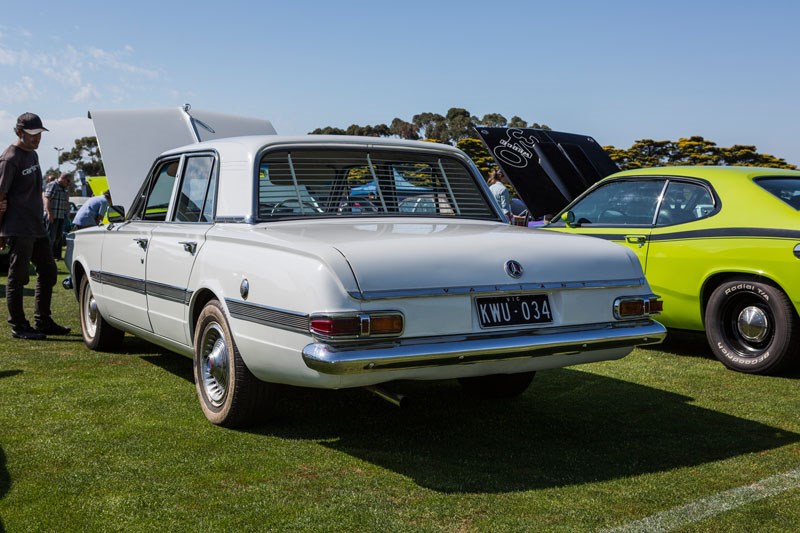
[(211, 199), (160, 192), (194, 190), (786, 188), (626, 203), (684, 202)]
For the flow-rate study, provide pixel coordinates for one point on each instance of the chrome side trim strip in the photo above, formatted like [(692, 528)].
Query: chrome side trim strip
[(493, 289), (268, 316), (479, 348), (140, 286), (168, 292), (121, 282)]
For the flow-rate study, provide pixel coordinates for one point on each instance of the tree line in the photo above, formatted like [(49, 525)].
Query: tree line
[(456, 127)]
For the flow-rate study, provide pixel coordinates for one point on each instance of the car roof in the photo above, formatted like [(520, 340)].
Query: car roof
[(130, 140), (708, 172), (741, 197), (255, 143)]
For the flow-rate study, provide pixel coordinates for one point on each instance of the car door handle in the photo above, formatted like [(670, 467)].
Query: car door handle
[(189, 246), (636, 239), (141, 242)]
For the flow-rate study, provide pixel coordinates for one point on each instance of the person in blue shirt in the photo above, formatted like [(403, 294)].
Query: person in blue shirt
[(93, 211)]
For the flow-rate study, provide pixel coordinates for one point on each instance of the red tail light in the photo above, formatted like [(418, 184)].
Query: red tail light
[(335, 326), (360, 326)]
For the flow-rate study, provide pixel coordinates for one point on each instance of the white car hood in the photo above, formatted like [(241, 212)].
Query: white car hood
[(425, 255), (130, 140)]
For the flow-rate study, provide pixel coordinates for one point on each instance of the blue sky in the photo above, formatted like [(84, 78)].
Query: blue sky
[(616, 70)]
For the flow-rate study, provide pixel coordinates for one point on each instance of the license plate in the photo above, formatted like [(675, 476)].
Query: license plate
[(513, 310)]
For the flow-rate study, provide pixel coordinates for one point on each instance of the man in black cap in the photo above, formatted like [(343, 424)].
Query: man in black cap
[(22, 228)]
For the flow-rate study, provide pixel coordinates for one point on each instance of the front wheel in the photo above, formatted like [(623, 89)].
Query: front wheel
[(229, 394), (97, 333), (497, 386), (752, 327)]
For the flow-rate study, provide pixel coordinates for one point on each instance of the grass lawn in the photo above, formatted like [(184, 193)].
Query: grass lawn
[(103, 442)]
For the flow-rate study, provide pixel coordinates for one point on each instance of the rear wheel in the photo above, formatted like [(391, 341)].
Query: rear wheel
[(229, 394), (497, 386), (752, 327), (97, 333)]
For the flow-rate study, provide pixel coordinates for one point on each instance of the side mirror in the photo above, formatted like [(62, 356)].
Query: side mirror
[(569, 219), (116, 213)]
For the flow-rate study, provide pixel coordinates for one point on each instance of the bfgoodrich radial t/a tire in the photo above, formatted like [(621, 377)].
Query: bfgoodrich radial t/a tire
[(229, 394), (752, 327), (97, 333)]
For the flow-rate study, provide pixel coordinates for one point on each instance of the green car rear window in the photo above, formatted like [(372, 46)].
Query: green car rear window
[(785, 188)]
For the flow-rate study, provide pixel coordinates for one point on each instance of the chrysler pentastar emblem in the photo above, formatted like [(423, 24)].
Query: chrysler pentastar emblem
[(514, 269)]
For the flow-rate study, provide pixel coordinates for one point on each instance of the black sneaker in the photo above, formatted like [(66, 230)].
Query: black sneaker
[(25, 331), (49, 327)]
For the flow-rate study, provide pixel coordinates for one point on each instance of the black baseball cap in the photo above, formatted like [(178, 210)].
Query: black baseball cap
[(30, 123)]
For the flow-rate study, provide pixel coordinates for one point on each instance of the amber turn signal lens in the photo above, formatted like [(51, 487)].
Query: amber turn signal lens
[(631, 308), (656, 306), (637, 306), (386, 325)]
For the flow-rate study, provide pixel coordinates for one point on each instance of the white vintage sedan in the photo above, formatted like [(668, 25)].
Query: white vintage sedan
[(253, 256)]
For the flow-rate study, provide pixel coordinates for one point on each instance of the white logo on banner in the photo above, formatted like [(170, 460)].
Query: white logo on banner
[(516, 149)]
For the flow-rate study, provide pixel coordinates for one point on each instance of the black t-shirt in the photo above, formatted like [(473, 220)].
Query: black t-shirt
[(21, 180)]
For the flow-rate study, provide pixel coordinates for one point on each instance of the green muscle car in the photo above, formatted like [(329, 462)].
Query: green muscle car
[(720, 245)]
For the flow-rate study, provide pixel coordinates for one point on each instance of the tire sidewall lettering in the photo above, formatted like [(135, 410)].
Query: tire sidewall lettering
[(748, 287), (746, 361)]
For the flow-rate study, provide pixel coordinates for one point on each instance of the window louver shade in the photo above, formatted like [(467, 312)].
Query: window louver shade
[(308, 183)]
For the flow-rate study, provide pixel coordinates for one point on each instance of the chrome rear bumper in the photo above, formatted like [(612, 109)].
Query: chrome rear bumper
[(479, 348)]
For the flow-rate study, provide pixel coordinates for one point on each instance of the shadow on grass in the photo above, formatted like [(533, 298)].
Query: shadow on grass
[(161, 357), (571, 427), (684, 343), (5, 482), (9, 373)]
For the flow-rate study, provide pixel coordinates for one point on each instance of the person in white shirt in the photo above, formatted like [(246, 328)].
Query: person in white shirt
[(497, 184)]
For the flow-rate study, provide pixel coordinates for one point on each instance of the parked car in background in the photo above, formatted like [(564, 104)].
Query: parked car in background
[(249, 255), (720, 244), (403, 179)]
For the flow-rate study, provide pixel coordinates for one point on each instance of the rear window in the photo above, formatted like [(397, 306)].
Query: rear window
[(324, 183), (787, 189)]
